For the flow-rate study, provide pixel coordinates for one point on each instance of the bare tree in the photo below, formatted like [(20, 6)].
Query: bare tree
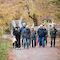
[(34, 18)]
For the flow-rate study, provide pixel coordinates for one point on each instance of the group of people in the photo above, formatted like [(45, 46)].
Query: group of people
[(29, 36)]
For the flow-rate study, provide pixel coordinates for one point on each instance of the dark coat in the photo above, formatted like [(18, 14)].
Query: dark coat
[(45, 32), (16, 33), (22, 31), (28, 33), (41, 32), (33, 35), (53, 33)]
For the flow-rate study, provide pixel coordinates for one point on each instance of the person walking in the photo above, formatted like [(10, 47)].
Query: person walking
[(46, 34), (33, 37), (17, 34), (21, 30), (26, 34), (53, 34), (41, 36)]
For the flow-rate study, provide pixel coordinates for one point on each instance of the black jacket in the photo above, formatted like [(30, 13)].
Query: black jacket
[(41, 32), (53, 33)]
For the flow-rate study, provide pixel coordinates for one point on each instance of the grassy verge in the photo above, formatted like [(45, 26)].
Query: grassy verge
[(4, 47)]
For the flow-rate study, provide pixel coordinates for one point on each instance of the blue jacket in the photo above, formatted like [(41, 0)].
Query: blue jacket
[(26, 33), (41, 32), (21, 30)]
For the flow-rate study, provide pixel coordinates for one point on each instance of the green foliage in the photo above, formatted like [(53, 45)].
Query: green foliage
[(56, 2), (4, 46), (7, 31), (14, 9), (58, 15), (1, 32)]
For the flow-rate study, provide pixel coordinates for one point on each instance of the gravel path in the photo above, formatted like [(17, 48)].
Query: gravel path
[(37, 53)]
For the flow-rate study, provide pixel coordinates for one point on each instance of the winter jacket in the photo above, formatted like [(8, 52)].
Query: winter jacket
[(41, 32), (53, 33), (33, 35), (21, 30), (26, 33)]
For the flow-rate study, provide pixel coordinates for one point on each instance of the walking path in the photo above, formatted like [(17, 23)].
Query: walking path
[(38, 53)]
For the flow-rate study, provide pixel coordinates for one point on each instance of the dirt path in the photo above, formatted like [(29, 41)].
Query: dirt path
[(38, 53)]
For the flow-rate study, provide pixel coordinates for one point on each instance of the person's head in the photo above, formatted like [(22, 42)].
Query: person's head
[(24, 24), (50, 26), (44, 27), (16, 28), (41, 26)]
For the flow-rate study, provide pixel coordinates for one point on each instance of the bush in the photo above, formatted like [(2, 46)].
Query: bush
[(4, 46)]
